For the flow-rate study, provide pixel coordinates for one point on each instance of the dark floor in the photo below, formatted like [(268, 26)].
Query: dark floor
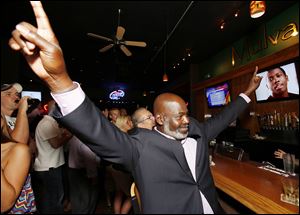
[(229, 205), (103, 207)]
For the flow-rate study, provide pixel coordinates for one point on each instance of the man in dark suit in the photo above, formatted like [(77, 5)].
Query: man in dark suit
[(170, 164)]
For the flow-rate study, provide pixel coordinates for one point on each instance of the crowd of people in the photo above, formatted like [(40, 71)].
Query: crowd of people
[(61, 168)]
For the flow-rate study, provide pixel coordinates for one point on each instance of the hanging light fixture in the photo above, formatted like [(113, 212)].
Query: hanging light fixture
[(165, 76), (257, 8)]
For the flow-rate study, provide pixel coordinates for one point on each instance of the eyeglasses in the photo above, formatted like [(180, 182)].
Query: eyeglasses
[(148, 117)]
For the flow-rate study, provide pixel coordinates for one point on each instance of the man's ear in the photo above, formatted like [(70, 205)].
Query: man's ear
[(159, 119)]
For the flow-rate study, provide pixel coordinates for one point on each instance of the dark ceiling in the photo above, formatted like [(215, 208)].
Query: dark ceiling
[(150, 21)]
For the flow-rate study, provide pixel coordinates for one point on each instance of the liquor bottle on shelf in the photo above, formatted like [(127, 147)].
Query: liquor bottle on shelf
[(286, 121), (289, 120)]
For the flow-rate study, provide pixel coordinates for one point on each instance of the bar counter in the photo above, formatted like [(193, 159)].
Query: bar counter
[(257, 189)]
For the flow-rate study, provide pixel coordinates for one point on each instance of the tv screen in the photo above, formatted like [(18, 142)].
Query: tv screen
[(218, 95), (32, 94), (278, 83)]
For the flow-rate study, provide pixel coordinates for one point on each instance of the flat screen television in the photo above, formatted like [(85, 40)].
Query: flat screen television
[(218, 95), (32, 94), (279, 82)]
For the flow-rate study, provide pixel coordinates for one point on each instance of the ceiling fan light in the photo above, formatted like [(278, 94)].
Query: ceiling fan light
[(257, 8), (165, 77)]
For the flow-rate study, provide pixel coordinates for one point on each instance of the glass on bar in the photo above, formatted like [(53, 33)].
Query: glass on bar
[(289, 163), (290, 191)]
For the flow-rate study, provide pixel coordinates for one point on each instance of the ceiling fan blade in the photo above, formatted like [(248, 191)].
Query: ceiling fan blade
[(125, 50), (135, 43), (106, 48), (120, 33), (99, 37)]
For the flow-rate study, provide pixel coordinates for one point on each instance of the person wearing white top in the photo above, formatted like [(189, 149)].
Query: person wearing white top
[(47, 177)]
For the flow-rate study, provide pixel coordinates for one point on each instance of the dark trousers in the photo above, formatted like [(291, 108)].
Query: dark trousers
[(83, 192), (49, 191)]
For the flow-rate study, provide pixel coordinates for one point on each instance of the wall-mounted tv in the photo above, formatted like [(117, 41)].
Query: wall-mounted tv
[(32, 94), (279, 82), (218, 95)]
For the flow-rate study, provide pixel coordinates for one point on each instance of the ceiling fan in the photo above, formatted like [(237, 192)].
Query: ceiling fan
[(118, 40)]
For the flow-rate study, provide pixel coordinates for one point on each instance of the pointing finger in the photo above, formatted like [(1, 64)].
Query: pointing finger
[(40, 15), (256, 69)]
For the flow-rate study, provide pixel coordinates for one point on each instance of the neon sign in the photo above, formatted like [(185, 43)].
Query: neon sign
[(116, 94)]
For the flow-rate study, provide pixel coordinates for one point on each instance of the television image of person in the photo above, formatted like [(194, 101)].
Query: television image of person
[(278, 83)]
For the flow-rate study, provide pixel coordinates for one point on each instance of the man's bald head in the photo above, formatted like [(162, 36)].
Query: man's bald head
[(164, 100)]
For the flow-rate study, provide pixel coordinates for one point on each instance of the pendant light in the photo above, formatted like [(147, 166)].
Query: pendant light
[(257, 8), (165, 76)]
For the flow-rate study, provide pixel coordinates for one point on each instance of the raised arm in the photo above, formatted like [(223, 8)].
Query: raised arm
[(220, 121), (42, 51)]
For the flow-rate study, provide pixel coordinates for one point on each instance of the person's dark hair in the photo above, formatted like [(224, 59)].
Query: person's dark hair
[(281, 69)]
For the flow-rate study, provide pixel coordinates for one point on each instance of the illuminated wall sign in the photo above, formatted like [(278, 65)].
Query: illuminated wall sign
[(116, 94)]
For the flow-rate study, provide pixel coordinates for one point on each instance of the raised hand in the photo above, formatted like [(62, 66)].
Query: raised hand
[(254, 83), (23, 103), (41, 50), (279, 153)]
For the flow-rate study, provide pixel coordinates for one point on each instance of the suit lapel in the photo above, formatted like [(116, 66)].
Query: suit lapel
[(180, 156)]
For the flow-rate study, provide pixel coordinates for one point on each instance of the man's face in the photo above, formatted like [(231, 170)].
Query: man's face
[(176, 120), (278, 81), (147, 120), (10, 99)]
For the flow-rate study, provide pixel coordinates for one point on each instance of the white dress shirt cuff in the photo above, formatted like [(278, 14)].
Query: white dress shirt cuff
[(69, 101), (244, 96)]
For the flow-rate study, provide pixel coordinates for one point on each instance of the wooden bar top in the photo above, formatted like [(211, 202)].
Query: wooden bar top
[(257, 189)]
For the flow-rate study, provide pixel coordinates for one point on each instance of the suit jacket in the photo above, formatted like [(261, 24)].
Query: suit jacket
[(157, 163)]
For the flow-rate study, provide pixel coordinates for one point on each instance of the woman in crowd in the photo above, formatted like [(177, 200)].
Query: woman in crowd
[(16, 192)]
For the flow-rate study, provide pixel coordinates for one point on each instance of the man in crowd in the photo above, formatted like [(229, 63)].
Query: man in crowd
[(143, 118)]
